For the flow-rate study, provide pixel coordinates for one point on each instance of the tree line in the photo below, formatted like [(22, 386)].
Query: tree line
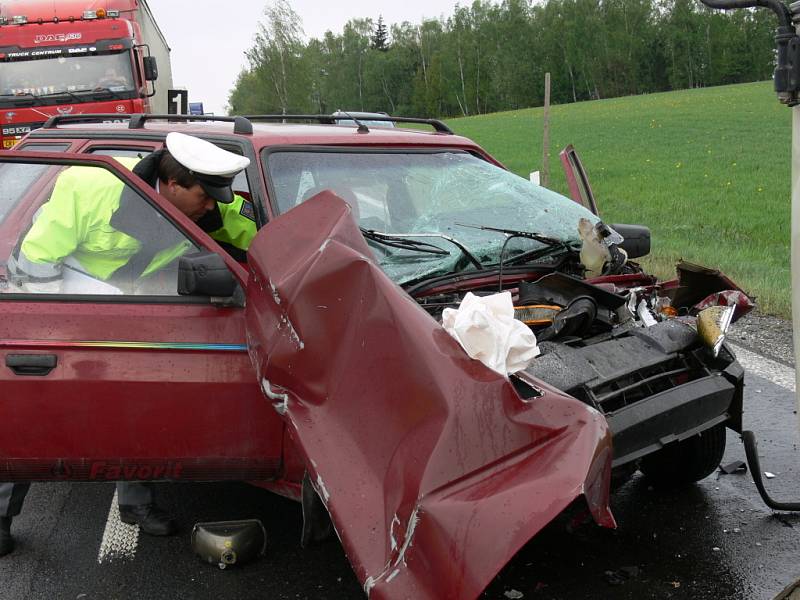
[(489, 57)]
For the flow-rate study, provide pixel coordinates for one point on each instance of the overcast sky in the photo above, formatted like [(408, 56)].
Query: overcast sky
[(208, 38)]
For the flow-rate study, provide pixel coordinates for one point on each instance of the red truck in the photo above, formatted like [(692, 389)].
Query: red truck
[(78, 56)]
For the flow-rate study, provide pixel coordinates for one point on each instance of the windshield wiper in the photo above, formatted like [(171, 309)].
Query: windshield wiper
[(465, 251), (105, 90), (550, 246), (550, 243), (63, 93), (402, 242)]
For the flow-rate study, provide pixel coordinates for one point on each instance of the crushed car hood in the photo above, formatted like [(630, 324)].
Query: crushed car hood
[(434, 470)]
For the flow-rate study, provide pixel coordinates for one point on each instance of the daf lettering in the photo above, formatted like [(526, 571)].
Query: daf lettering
[(57, 37)]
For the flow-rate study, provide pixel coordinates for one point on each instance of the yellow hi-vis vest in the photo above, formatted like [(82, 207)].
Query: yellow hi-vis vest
[(75, 222)]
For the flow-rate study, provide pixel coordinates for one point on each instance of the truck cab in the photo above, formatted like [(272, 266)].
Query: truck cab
[(78, 57)]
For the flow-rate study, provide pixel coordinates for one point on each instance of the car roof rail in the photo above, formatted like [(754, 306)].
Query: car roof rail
[(331, 120), (57, 120), (136, 121)]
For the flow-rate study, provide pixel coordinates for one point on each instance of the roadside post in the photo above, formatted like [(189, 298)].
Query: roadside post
[(545, 177)]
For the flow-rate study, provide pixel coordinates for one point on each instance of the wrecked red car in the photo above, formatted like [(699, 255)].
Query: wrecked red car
[(319, 367)]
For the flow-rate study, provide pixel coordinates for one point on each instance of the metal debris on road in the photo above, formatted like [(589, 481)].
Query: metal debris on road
[(737, 466), (514, 594)]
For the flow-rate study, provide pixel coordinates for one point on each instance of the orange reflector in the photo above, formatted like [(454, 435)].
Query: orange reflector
[(669, 311), (101, 13)]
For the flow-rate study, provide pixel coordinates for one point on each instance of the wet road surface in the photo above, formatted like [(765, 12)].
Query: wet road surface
[(712, 540)]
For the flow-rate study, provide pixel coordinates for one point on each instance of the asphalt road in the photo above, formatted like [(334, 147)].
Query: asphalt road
[(712, 540)]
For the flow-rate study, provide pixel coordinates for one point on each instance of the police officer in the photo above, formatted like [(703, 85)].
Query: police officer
[(95, 223)]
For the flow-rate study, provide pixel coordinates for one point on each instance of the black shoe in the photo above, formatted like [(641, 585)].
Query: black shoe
[(6, 541), (150, 519)]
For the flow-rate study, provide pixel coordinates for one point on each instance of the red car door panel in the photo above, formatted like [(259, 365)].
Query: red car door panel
[(141, 388)]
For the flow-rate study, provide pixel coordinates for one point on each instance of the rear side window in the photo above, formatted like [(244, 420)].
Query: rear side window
[(126, 152), (44, 147)]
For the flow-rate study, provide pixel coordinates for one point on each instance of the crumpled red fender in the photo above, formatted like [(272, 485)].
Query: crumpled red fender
[(433, 469)]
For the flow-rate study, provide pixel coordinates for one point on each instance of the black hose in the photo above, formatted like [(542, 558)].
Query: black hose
[(780, 9), (751, 451)]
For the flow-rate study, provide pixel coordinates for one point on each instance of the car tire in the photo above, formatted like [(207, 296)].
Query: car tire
[(688, 461)]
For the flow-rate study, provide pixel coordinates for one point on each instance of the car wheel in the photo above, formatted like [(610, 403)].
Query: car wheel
[(691, 460)]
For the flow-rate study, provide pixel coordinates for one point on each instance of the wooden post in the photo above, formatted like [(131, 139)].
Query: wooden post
[(545, 178)]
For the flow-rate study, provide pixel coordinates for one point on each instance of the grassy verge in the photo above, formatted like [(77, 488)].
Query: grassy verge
[(708, 170)]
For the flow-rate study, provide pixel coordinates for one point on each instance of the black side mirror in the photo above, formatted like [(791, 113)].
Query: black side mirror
[(637, 239), (205, 274), (150, 68)]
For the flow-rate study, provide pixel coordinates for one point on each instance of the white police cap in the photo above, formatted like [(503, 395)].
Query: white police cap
[(213, 167)]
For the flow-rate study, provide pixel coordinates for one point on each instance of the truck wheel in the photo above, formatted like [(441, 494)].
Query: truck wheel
[(685, 462)]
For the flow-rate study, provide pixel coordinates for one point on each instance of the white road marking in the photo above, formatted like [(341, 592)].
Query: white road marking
[(119, 539), (764, 367)]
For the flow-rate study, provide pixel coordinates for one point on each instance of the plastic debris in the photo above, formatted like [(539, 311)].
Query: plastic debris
[(645, 315), (487, 330), (514, 594), (735, 298), (716, 549), (769, 475), (737, 466)]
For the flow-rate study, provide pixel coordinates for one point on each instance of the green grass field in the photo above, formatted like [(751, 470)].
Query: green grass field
[(708, 170)]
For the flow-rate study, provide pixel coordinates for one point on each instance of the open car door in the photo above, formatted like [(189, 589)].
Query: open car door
[(434, 469), (577, 180), (108, 379)]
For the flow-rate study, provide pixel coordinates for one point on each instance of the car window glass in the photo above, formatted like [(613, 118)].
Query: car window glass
[(239, 185), (15, 179), (44, 147), (122, 152), (431, 195), (82, 230)]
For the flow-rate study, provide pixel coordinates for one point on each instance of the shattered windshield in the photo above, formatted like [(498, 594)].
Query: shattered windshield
[(448, 193)]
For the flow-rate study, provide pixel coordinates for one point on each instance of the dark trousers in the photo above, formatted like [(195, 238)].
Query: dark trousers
[(12, 495)]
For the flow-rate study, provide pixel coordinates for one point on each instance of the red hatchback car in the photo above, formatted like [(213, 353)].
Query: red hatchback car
[(319, 367)]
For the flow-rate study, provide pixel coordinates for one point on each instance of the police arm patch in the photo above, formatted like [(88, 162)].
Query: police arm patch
[(248, 211)]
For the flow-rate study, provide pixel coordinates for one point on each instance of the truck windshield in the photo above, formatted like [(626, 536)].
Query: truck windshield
[(46, 81)]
